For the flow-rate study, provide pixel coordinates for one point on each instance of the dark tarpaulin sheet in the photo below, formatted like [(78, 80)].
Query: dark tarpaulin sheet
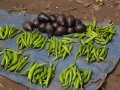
[(100, 70)]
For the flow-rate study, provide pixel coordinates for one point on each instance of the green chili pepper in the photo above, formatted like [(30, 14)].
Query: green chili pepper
[(44, 73), (6, 31), (12, 68), (48, 46), (89, 40), (66, 76), (88, 76), (20, 65), (64, 55), (80, 79), (43, 44), (40, 82), (3, 61), (1, 33), (74, 73), (60, 55), (61, 76), (102, 52), (66, 49), (94, 24), (37, 71), (48, 75), (30, 74), (23, 40), (77, 84), (15, 33), (15, 58), (79, 51), (6, 59), (28, 39), (37, 40), (27, 70)]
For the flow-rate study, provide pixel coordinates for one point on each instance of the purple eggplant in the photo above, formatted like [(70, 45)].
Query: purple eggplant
[(61, 30), (28, 25), (70, 21), (49, 29), (43, 18), (70, 30), (61, 19), (80, 28)]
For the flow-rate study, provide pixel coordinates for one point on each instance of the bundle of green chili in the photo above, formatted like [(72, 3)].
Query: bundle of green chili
[(8, 31), (31, 39), (58, 48), (39, 73), (92, 52), (13, 60), (100, 34), (71, 76)]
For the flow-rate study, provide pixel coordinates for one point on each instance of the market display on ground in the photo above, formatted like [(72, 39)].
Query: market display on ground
[(57, 24), (63, 31)]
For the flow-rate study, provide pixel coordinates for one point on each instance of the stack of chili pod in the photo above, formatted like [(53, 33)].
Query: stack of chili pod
[(74, 77), (39, 73), (8, 31), (56, 24), (13, 60)]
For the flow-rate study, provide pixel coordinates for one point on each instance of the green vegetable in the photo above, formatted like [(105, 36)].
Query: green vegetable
[(92, 52), (13, 60), (71, 76), (58, 48), (39, 73), (8, 31), (31, 39)]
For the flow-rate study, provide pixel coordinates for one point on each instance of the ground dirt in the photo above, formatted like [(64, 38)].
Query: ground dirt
[(102, 10)]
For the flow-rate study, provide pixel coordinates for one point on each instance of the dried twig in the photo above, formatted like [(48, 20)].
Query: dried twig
[(93, 14), (69, 9), (21, 8)]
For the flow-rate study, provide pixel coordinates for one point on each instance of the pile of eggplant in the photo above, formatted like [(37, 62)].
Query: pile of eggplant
[(55, 24)]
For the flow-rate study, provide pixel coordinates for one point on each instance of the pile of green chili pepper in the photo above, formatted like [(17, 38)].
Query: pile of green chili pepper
[(92, 52), (100, 34), (39, 73), (58, 48), (13, 60), (31, 39), (71, 76), (8, 32), (105, 34)]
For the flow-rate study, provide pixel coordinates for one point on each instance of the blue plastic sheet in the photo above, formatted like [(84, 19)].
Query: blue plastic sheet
[(100, 70)]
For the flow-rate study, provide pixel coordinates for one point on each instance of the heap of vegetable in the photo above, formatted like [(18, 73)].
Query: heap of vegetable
[(57, 25), (39, 73), (8, 31), (31, 39), (13, 60), (100, 34), (92, 52), (71, 76), (58, 48)]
